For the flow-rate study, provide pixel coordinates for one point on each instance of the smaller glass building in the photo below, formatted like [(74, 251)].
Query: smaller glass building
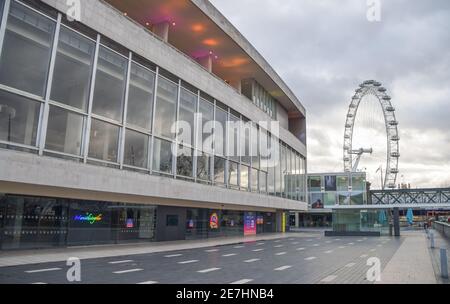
[(330, 189)]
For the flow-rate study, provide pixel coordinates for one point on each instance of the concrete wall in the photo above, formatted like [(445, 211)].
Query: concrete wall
[(109, 22)]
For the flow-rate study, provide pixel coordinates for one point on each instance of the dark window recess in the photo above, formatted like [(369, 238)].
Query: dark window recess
[(172, 220)]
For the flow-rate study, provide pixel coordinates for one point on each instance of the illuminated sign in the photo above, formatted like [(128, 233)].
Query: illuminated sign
[(249, 223), (89, 217), (130, 223), (260, 220), (214, 221)]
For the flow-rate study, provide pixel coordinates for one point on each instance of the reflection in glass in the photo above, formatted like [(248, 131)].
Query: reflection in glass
[(342, 183), (109, 84), (262, 181), (245, 176), (188, 106), (220, 131), (233, 174), (140, 97), (207, 111), (103, 142), (162, 156), (26, 50), (315, 183), (233, 127), (271, 181), (246, 129), (204, 166), (219, 170), (358, 183), (19, 118), (165, 111), (64, 131), (185, 161), (254, 180), (72, 69), (255, 147), (136, 149)]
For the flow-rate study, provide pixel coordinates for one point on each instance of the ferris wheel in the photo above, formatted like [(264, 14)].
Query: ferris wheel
[(352, 155)]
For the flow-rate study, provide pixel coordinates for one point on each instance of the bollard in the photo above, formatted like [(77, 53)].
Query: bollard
[(432, 239), (444, 264)]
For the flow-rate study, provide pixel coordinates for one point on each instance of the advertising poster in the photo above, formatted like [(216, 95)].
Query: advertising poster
[(214, 221), (249, 223)]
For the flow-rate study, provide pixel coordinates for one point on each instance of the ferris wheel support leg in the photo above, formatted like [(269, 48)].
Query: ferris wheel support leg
[(396, 222)]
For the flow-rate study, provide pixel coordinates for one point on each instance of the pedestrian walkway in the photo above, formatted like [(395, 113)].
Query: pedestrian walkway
[(411, 264), (439, 242), (24, 257)]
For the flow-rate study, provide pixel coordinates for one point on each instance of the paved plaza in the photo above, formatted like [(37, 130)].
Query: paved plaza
[(306, 258)]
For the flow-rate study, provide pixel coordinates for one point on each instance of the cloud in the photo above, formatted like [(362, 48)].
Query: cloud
[(324, 49)]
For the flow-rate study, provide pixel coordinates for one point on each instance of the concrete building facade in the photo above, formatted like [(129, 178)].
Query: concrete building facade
[(140, 121)]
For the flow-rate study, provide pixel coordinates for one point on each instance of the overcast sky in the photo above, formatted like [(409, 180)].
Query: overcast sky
[(323, 49)]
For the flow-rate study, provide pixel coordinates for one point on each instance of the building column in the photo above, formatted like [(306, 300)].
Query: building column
[(297, 220), (162, 30), (206, 62), (396, 222)]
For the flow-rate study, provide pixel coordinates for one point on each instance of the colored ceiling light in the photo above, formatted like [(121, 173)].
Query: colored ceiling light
[(210, 42), (198, 28)]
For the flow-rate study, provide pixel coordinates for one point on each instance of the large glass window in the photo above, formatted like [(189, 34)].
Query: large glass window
[(246, 129), (110, 84), (26, 50), (233, 138), (220, 131), (103, 142), (166, 107), (18, 119), (255, 147), (140, 97), (315, 183), (207, 110), (233, 174), (136, 149), (73, 66), (342, 183), (245, 176), (204, 166), (283, 170), (254, 180), (188, 106), (162, 156), (271, 181), (185, 161), (219, 170), (64, 131), (358, 183), (262, 181)]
